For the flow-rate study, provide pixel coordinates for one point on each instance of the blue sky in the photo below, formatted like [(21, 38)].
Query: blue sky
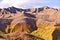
[(29, 3)]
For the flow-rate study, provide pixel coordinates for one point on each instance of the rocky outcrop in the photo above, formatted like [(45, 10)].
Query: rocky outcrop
[(23, 25), (4, 23)]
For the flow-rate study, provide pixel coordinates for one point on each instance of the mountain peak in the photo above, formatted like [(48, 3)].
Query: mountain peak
[(45, 7), (13, 9)]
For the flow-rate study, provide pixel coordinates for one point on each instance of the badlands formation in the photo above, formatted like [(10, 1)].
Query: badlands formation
[(28, 24)]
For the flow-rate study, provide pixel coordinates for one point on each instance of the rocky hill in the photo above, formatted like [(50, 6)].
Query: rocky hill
[(14, 19)]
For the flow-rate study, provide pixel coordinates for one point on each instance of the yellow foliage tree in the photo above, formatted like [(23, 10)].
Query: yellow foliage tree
[(44, 30)]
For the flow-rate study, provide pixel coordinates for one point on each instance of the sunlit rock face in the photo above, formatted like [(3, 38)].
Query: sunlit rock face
[(23, 25), (49, 14)]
